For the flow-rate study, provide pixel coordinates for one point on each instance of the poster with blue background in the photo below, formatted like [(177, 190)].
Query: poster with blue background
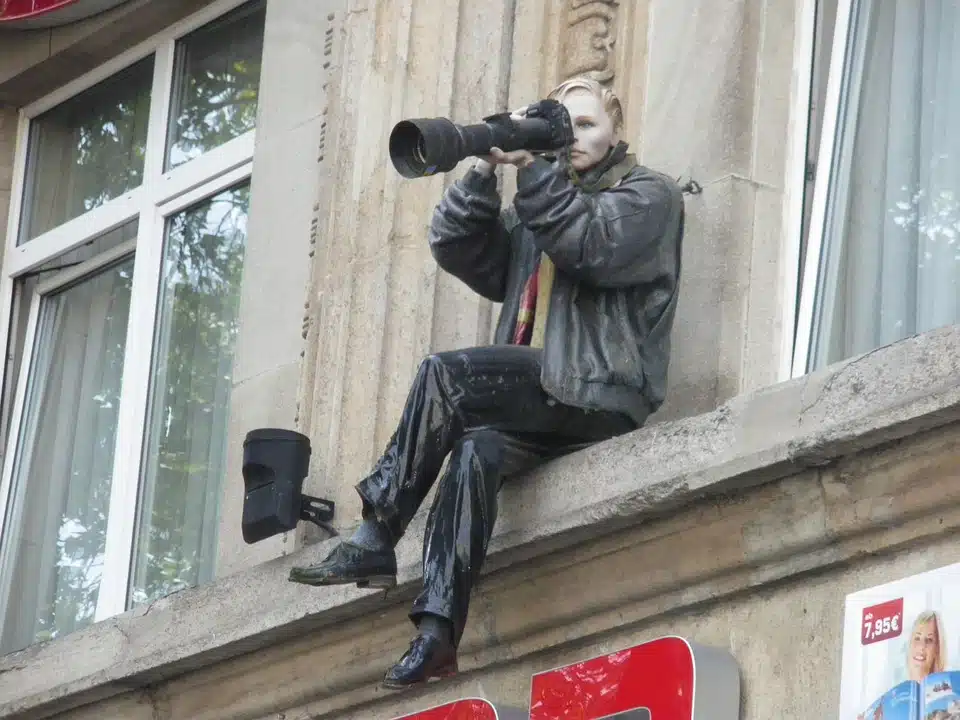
[(901, 649)]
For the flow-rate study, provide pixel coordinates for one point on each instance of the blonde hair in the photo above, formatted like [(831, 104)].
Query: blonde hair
[(606, 96), (940, 661)]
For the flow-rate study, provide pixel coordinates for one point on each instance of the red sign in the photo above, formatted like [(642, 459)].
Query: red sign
[(469, 709), (882, 622), (665, 679), (22, 9), (31, 14)]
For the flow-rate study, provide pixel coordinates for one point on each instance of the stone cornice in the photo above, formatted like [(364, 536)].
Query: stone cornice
[(564, 516), (81, 49)]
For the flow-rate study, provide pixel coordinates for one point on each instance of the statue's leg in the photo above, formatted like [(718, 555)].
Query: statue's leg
[(519, 430), (462, 518), (452, 391), (458, 531), (495, 387)]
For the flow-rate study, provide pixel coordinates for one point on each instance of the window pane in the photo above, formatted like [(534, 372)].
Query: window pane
[(192, 376), (216, 84), (890, 265), (87, 150), (24, 291), (64, 463)]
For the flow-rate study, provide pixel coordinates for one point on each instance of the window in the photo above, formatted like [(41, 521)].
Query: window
[(121, 284), (187, 424), (87, 151), (882, 260)]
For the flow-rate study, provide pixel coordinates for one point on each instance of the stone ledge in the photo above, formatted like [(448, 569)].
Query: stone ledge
[(823, 526), (869, 401)]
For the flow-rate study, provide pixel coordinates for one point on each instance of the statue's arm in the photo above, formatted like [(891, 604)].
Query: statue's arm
[(468, 238), (627, 235)]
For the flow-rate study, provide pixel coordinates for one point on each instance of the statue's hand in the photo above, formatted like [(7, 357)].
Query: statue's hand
[(519, 158)]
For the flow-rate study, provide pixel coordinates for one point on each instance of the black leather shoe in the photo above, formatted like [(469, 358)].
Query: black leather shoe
[(349, 563), (428, 657)]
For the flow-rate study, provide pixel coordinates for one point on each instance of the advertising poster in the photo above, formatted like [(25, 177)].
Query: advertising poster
[(901, 650)]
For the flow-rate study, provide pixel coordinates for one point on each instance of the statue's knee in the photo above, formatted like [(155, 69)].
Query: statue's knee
[(481, 443), (430, 362)]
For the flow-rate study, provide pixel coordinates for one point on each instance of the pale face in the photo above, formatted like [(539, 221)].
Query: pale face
[(923, 649), (592, 129)]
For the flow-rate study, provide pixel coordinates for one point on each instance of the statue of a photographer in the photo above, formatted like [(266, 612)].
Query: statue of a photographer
[(586, 262)]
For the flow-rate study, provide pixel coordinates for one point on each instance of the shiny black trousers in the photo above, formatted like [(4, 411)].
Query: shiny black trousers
[(485, 408)]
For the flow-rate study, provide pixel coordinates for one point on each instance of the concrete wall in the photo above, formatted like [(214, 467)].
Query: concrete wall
[(717, 104), (783, 636), (776, 504), (290, 173)]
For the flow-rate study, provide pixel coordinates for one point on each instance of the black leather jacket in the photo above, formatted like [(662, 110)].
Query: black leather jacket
[(614, 295)]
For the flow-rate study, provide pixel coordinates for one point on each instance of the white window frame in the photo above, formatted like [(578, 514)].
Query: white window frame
[(160, 195), (835, 105), (795, 182)]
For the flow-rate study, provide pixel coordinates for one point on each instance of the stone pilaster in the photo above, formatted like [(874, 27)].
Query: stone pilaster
[(378, 303), (291, 131), (717, 107)]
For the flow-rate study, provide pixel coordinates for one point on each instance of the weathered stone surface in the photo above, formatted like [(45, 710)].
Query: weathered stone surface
[(9, 119), (378, 303), (869, 402), (287, 165), (719, 572)]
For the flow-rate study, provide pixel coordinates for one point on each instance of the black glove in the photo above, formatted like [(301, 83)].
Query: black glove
[(547, 112), (556, 114)]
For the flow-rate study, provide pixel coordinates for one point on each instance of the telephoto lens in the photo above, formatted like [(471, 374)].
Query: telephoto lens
[(421, 147)]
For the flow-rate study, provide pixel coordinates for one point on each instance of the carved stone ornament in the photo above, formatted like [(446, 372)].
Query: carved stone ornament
[(589, 39)]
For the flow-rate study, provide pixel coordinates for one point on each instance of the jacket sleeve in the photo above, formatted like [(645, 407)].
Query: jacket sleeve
[(613, 238), (468, 238)]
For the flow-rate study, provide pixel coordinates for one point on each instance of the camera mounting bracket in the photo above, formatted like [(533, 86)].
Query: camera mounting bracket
[(319, 511)]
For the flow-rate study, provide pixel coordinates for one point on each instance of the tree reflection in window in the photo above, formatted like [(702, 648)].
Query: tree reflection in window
[(192, 379), (87, 150), (216, 84)]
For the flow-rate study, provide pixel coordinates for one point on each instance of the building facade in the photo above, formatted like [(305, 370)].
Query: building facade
[(203, 235)]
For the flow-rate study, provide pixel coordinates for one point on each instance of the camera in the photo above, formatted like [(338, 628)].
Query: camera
[(275, 464), (425, 146)]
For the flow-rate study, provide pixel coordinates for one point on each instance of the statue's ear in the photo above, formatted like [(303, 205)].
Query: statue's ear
[(615, 139)]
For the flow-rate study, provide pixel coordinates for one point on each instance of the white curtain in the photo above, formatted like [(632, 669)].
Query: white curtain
[(891, 260), (64, 463)]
